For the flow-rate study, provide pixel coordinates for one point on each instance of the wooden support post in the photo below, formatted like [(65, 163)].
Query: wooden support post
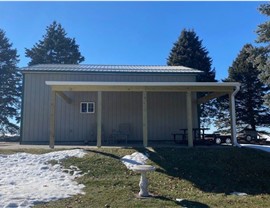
[(189, 119), (233, 119), (99, 118), (145, 128), (64, 97), (52, 119)]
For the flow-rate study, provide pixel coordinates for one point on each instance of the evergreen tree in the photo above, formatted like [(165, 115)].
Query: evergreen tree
[(250, 109), (262, 53), (55, 48), (263, 30), (10, 86), (188, 51), (222, 120)]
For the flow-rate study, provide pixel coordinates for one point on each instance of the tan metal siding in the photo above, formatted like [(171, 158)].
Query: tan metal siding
[(118, 107), (71, 125), (166, 114), (26, 107), (65, 76), (122, 107)]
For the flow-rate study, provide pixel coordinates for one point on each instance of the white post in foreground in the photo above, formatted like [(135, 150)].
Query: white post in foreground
[(233, 119)]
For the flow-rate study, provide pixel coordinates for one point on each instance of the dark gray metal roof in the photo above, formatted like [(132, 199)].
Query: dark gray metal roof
[(109, 68)]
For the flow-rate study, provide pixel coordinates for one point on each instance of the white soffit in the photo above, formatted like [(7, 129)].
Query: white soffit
[(150, 84)]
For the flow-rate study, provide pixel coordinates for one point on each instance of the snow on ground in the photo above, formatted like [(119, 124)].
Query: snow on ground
[(134, 159), (260, 147), (28, 179)]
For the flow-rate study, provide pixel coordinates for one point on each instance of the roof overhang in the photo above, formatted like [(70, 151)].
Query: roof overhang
[(111, 69), (143, 86)]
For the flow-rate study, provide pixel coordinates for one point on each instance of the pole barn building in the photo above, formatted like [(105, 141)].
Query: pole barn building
[(98, 104)]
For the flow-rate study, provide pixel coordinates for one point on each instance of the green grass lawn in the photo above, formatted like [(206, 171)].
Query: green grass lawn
[(202, 177)]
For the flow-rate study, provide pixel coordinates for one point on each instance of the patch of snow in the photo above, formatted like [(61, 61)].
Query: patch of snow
[(179, 200), (238, 194), (28, 179), (134, 159)]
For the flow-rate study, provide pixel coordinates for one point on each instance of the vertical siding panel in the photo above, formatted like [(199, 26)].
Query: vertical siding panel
[(43, 104), (26, 100), (45, 91), (118, 107), (122, 107), (74, 126), (27, 113), (60, 116), (65, 119), (166, 113), (23, 136), (79, 119), (105, 117), (68, 117), (46, 104), (31, 111), (74, 112), (75, 123), (109, 108), (40, 100), (58, 119), (58, 123), (35, 105), (62, 113), (75, 134)]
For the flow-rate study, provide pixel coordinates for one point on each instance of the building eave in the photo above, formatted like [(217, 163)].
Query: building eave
[(143, 86)]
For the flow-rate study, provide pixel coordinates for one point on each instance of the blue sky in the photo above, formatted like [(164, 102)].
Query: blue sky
[(135, 32)]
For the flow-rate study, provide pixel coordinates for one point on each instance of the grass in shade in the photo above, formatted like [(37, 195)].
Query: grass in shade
[(200, 177)]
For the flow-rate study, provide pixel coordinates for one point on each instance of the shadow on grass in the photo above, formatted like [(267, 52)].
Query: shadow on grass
[(104, 154), (217, 170), (192, 204), (183, 202)]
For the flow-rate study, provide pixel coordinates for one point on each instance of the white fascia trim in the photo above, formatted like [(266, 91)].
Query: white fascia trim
[(158, 84)]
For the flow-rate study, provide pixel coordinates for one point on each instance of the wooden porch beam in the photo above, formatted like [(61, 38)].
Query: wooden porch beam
[(64, 97), (210, 97), (85, 88)]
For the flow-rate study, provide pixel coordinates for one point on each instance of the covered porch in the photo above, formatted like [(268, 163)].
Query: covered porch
[(214, 90)]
